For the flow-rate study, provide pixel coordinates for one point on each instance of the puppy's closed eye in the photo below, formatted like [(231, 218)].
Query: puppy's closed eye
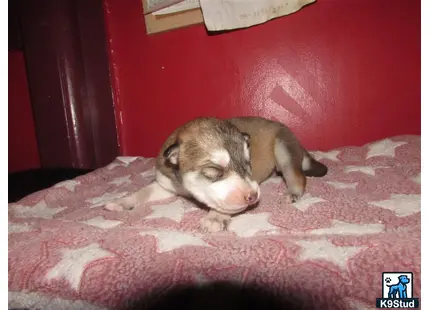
[(213, 173)]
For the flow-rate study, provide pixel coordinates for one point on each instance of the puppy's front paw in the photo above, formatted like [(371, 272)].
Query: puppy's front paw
[(214, 222), (294, 197)]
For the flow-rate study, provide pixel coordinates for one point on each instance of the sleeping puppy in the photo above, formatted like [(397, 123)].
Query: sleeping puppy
[(221, 163)]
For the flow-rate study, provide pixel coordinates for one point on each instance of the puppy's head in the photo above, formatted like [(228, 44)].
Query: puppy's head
[(212, 160)]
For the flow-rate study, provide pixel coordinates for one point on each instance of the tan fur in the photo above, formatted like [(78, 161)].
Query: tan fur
[(263, 134)]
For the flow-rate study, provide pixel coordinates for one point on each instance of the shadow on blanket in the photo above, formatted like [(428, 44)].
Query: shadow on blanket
[(226, 296), (23, 183)]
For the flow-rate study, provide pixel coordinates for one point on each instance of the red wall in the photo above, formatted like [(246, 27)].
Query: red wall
[(337, 72), (22, 145)]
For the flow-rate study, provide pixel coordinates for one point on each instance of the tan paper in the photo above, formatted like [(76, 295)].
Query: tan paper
[(233, 14), (161, 23)]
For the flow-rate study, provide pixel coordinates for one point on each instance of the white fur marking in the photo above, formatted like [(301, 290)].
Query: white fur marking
[(214, 194), (246, 151), (282, 155), (221, 157), (306, 163), (165, 182)]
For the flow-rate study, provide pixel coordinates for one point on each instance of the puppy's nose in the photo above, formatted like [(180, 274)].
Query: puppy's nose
[(251, 198)]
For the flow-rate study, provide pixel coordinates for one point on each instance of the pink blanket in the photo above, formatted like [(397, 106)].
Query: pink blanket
[(362, 219)]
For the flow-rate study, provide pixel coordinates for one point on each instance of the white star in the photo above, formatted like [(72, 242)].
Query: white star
[(417, 178), (40, 210), (401, 205), (365, 169), (344, 228), (174, 211), (148, 173), (306, 201), (73, 263), (340, 185), (331, 155), (325, 250), (169, 240), (356, 305), (384, 147), (107, 197), (120, 180), (19, 228), (113, 165), (247, 225), (101, 222), (35, 300), (126, 159), (70, 185)]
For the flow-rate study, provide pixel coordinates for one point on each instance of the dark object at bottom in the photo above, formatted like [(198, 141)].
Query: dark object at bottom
[(21, 184), (226, 295)]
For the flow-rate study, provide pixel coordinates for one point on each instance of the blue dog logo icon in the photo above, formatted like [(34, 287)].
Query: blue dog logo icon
[(399, 290)]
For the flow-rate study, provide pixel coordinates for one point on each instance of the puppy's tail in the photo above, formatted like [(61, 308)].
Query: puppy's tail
[(313, 168)]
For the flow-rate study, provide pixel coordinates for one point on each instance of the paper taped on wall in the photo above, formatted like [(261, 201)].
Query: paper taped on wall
[(179, 7), (162, 15), (233, 14)]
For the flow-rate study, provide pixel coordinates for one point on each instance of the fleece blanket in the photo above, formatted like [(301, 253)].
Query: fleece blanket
[(332, 246)]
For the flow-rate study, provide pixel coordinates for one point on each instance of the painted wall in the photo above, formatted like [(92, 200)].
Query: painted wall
[(22, 145), (337, 72)]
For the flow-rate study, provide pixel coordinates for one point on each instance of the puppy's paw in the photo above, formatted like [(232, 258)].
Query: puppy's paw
[(294, 197), (212, 223)]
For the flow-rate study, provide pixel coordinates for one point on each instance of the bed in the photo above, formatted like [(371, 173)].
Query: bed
[(363, 218)]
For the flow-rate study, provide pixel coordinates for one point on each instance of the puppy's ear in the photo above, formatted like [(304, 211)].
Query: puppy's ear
[(171, 154), (247, 138)]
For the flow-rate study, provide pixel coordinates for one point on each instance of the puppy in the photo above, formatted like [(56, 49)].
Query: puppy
[(221, 163)]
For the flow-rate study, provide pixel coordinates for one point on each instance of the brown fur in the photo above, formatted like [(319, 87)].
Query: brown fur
[(202, 135)]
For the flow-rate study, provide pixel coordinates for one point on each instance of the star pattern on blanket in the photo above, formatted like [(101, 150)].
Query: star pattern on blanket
[(39, 210), (327, 251), (74, 262), (127, 159), (168, 240), (148, 173), (121, 180), (306, 201), (401, 205), (19, 227), (122, 161), (101, 222), (70, 185), (174, 211), (247, 225), (417, 178), (105, 198), (341, 185), (354, 304), (364, 169), (344, 228), (384, 147), (331, 155), (334, 227)]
